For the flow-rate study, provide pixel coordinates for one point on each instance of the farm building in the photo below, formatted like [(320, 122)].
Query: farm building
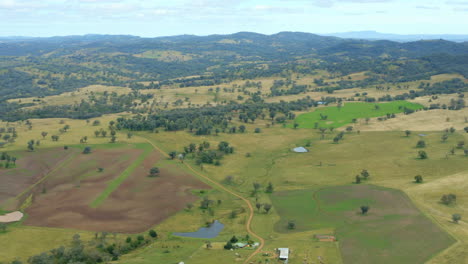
[(283, 253)]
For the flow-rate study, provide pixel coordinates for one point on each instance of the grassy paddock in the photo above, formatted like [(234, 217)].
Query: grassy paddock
[(386, 234), (340, 116)]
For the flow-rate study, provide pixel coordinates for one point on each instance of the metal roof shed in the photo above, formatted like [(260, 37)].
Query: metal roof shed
[(284, 253)]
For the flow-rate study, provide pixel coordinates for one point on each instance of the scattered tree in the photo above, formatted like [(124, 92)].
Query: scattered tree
[(364, 209), (422, 154), (267, 207), (418, 179), (358, 179), (444, 137), (172, 154), (269, 188), (448, 199), (407, 133), (365, 174), (421, 144), (87, 150), (456, 218), (258, 205), (291, 224), (154, 172), (152, 233)]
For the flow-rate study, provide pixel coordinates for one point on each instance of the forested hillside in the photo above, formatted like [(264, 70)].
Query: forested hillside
[(37, 67)]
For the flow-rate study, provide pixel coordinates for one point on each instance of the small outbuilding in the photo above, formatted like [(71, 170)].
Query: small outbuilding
[(283, 253)]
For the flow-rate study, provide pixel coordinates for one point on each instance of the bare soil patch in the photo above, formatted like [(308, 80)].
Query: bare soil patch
[(138, 204), (30, 168), (11, 217)]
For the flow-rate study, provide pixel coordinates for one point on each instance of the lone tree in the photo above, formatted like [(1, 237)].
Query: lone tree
[(358, 179), (154, 172), (407, 133), (87, 150), (291, 224), (31, 145), (456, 218), (364, 209), (421, 144), (44, 134), (152, 233), (172, 154), (269, 188), (258, 205), (228, 245), (422, 154), (267, 207), (418, 179), (444, 137), (256, 187), (365, 174)]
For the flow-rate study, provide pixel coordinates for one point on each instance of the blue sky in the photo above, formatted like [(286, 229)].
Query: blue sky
[(152, 18)]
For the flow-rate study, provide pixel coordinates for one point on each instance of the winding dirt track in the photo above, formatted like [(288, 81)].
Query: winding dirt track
[(221, 187)]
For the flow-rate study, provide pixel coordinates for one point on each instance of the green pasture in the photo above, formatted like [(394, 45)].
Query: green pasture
[(393, 231), (340, 116)]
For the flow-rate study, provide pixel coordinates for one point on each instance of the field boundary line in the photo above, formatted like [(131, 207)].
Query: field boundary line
[(220, 186)]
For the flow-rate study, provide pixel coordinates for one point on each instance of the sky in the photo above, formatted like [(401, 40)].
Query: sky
[(151, 18)]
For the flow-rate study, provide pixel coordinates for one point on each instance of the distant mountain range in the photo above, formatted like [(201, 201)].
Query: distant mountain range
[(362, 35), (373, 35)]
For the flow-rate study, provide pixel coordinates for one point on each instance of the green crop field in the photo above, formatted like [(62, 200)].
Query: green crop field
[(386, 234), (340, 116)]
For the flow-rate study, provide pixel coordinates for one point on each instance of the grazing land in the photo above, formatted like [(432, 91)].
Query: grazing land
[(127, 141), (339, 116), (386, 234)]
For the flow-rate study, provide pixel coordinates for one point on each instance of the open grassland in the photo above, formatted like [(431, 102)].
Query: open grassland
[(427, 196), (337, 116), (432, 120), (214, 94), (390, 157), (21, 242), (165, 55), (386, 234), (78, 129), (70, 98)]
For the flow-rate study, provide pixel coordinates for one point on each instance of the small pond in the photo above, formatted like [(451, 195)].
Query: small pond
[(204, 232), (300, 150)]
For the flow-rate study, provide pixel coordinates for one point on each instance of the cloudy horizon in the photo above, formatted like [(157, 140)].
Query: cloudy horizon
[(206, 17)]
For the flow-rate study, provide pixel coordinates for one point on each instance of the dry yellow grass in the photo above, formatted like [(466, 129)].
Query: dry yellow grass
[(427, 196), (72, 97), (78, 129), (432, 120)]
